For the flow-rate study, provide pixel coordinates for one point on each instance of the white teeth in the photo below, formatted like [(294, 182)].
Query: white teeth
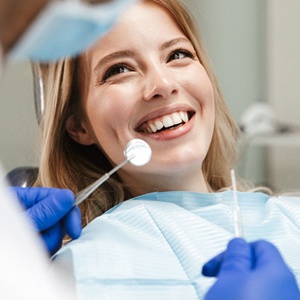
[(173, 119), (152, 127), (167, 121), (176, 118), (184, 116), (159, 125)]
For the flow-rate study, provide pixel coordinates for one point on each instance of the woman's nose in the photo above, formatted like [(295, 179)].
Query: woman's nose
[(159, 84)]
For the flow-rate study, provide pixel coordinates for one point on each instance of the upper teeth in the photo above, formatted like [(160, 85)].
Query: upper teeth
[(166, 121)]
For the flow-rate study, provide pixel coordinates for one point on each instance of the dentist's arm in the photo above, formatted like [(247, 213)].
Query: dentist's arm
[(52, 213), (15, 17), (250, 271)]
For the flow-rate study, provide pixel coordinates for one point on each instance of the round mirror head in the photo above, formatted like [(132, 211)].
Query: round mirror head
[(138, 152)]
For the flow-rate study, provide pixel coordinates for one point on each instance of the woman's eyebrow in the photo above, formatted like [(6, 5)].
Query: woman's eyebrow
[(173, 42), (113, 56)]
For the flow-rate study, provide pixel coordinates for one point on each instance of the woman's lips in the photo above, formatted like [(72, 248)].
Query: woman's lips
[(165, 122)]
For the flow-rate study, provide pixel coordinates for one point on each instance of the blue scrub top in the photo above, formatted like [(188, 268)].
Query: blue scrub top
[(154, 246)]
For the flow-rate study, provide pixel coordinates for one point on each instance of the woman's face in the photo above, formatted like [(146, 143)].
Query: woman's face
[(143, 80)]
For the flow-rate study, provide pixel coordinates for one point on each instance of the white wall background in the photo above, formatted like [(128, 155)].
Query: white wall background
[(283, 87), (18, 127)]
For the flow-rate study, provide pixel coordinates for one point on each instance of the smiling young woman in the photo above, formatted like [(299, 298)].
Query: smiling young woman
[(156, 84)]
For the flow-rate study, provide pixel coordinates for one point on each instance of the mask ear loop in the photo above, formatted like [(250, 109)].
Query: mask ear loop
[(39, 91)]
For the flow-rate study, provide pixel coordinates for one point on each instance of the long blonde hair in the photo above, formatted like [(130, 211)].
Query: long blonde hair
[(67, 164)]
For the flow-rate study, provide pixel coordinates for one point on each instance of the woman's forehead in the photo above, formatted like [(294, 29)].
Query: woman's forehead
[(143, 24)]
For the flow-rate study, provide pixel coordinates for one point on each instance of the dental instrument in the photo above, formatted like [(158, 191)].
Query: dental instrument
[(137, 152), (236, 212)]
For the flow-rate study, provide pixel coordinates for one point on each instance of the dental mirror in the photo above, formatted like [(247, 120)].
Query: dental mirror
[(137, 152)]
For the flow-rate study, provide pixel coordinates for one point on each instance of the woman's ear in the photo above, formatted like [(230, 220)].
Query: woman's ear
[(78, 131)]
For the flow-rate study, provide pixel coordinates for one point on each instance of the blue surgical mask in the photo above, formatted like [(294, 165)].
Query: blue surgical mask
[(66, 28)]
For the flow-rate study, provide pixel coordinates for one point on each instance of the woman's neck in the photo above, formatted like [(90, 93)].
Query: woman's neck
[(167, 182)]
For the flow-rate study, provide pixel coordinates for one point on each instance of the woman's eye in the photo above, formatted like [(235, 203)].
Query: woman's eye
[(115, 70), (180, 54)]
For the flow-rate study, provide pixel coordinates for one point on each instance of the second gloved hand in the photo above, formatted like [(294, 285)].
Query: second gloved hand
[(250, 271), (51, 212)]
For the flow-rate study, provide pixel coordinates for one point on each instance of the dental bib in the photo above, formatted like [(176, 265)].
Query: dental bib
[(154, 246)]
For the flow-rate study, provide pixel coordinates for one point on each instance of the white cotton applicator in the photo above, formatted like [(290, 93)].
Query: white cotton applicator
[(236, 209)]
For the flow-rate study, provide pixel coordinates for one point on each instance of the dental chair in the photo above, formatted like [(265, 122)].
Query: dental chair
[(22, 176), (26, 176)]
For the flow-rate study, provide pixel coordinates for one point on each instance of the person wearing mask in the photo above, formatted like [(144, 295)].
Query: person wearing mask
[(43, 30), (46, 31)]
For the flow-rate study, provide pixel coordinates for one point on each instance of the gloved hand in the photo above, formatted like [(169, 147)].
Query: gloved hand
[(51, 211), (248, 271)]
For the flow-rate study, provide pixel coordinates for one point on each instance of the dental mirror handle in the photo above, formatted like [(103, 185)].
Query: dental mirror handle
[(137, 152), (83, 194)]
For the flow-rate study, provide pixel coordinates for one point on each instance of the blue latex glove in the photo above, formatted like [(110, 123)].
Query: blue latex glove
[(52, 214), (250, 271)]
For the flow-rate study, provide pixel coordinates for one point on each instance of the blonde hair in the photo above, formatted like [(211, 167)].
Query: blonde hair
[(67, 164)]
